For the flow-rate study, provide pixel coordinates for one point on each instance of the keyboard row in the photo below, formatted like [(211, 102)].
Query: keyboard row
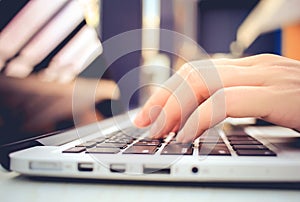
[(241, 143)]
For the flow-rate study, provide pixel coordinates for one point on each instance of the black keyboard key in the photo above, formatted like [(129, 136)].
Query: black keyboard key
[(249, 147), (218, 149), (240, 138), (147, 143), (102, 150), (189, 144), (211, 145), (181, 144), (215, 152), (207, 141), (111, 145), (246, 142), (210, 137), (87, 144), (255, 153), (118, 141), (141, 150), (148, 139), (98, 140), (177, 149), (108, 136), (74, 150), (127, 138)]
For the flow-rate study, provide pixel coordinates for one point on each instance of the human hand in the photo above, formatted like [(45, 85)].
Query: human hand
[(37, 30), (203, 93)]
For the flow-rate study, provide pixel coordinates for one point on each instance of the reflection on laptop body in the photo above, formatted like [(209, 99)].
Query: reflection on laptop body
[(114, 149)]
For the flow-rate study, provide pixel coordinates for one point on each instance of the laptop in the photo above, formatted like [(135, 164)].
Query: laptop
[(113, 149)]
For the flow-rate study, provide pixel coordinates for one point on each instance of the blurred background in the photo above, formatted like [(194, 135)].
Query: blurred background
[(231, 28)]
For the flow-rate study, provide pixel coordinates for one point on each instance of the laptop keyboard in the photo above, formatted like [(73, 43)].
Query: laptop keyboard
[(130, 141)]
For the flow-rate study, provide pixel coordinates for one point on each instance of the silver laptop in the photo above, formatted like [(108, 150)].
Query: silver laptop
[(114, 149)]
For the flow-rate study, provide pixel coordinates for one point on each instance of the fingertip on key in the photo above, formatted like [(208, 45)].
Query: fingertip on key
[(179, 137), (155, 131), (182, 138)]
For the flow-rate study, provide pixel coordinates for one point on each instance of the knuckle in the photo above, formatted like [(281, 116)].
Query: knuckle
[(267, 56), (185, 69)]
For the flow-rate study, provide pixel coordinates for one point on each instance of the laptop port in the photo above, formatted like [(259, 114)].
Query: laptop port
[(195, 170), (85, 167), (150, 170), (117, 168)]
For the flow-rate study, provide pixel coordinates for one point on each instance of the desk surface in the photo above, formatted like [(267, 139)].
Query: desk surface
[(16, 188)]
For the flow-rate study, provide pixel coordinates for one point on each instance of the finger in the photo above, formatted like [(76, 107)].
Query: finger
[(46, 40), (15, 35), (234, 102), (179, 105), (84, 46), (155, 103)]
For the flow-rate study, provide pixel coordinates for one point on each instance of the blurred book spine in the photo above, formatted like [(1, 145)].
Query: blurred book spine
[(291, 41)]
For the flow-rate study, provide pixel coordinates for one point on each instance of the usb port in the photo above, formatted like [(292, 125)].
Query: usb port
[(85, 167), (117, 168), (165, 171)]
